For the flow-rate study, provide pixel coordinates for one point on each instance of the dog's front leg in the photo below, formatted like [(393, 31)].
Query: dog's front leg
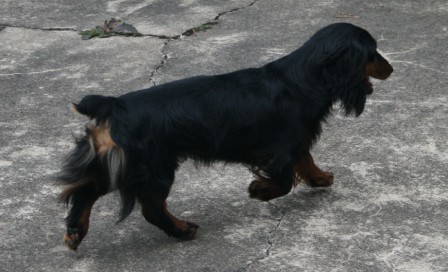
[(273, 183), (308, 171)]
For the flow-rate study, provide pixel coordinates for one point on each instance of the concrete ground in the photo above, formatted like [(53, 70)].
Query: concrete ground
[(388, 208)]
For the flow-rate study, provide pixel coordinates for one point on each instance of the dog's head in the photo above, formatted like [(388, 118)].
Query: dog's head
[(346, 57)]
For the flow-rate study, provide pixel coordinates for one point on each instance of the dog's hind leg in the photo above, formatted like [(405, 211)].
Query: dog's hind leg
[(82, 196), (308, 171), (272, 184), (156, 213), (155, 210)]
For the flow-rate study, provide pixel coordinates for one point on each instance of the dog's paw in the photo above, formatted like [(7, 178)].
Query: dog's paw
[(72, 238), (324, 180), (263, 190), (190, 232), (186, 230)]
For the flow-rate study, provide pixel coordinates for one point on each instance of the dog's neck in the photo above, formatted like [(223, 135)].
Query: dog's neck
[(306, 93)]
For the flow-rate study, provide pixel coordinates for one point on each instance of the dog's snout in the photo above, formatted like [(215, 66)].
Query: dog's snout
[(380, 68)]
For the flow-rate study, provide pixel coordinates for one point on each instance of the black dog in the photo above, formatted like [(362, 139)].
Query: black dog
[(266, 118)]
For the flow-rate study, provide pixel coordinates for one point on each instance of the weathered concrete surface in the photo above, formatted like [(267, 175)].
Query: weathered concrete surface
[(151, 17), (387, 210)]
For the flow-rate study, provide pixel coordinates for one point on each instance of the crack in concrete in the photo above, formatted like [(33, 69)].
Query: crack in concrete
[(235, 9), (161, 64), (203, 27), (188, 32), (3, 26), (269, 240)]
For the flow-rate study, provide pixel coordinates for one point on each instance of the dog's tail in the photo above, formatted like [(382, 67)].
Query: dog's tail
[(98, 107), (97, 165)]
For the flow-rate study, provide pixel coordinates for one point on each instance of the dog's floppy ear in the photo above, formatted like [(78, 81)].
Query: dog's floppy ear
[(343, 66)]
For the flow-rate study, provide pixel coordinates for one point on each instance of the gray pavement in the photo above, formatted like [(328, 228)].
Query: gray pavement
[(388, 208)]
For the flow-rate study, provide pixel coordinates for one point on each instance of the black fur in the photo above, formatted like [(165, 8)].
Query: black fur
[(266, 118)]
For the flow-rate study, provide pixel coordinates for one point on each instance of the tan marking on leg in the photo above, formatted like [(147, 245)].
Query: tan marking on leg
[(308, 171), (73, 240), (169, 223), (187, 228)]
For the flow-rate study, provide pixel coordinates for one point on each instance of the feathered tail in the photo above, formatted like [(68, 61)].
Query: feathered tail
[(97, 163)]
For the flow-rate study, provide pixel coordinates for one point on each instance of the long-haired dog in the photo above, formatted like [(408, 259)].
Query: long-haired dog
[(265, 118)]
